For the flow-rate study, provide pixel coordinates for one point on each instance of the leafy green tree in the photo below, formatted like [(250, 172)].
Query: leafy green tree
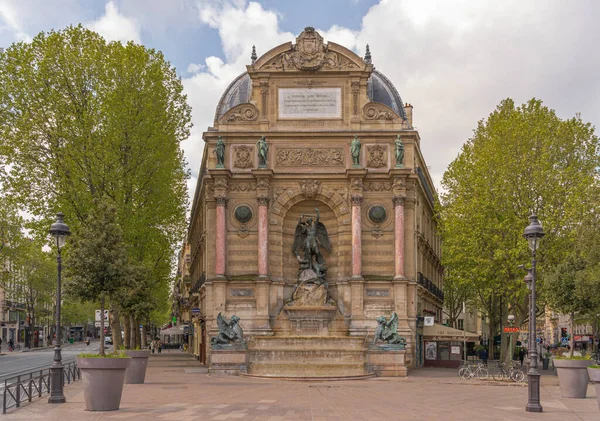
[(520, 160), (82, 119), (96, 267)]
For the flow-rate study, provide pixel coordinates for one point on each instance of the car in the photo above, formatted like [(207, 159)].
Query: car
[(108, 340)]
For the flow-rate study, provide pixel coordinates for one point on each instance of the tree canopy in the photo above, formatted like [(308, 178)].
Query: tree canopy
[(82, 120), (520, 160)]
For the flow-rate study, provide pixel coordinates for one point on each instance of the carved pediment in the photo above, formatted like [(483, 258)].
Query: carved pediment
[(379, 112), (310, 53), (241, 113)]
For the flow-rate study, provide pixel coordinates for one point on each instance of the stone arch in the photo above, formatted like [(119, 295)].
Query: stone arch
[(281, 221)]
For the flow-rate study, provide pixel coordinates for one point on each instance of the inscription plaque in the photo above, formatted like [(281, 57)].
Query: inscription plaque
[(242, 292), (378, 292), (302, 103)]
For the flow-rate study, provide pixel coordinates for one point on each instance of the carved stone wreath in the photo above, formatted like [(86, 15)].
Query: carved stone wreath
[(242, 156), (377, 156), (243, 214)]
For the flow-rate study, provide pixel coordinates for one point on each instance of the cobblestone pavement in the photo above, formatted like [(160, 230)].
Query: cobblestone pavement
[(177, 388)]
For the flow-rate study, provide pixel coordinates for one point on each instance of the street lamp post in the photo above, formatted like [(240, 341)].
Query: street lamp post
[(511, 322), (59, 230), (533, 234)]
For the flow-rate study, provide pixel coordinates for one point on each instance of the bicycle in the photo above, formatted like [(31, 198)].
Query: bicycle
[(467, 373), (510, 372), (15, 347)]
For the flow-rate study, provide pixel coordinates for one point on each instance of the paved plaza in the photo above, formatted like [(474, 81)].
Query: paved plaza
[(177, 388)]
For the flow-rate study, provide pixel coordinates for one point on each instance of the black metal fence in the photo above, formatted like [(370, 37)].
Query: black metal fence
[(24, 387)]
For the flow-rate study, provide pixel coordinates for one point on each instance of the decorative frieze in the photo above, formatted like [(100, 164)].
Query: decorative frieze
[(376, 186), (241, 292), (310, 157), (372, 292)]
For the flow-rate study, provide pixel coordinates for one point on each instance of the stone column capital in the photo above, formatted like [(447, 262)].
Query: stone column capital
[(221, 200), (398, 199), (262, 201), (357, 199)]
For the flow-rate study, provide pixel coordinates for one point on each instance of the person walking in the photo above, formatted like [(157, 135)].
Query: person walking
[(521, 355), (0, 345), (483, 354), (159, 345), (152, 346)]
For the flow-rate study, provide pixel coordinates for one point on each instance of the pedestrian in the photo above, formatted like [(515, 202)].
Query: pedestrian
[(152, 346), (521, 355), (159, 346), (49, 339), (0, 345), (11, 344), (483, 354)]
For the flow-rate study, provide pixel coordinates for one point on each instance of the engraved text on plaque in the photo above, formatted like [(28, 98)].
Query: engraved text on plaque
[(304, 103)]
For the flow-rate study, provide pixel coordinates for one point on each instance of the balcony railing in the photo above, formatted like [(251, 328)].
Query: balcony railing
[(430, 286), (196, 287)]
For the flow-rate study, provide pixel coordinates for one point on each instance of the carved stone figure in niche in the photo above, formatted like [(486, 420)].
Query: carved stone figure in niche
[(387, 331), (355, 151), (399, 152), (229, 331), (220, 152), (263, 149), (311, 235)]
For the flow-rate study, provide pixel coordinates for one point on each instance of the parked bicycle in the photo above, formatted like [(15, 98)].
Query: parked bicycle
[(15, 347), (468, 372), (510, 372)]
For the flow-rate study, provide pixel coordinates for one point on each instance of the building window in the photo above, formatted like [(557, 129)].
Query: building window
[(461, 324)]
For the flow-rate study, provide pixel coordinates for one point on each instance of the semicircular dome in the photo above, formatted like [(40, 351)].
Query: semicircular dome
[(379, 89), (238, 92)]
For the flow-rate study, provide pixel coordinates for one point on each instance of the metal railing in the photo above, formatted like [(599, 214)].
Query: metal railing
[(24, 387)]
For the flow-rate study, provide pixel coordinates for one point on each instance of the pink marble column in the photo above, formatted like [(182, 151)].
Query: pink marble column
[(356, 237), (220, 246), (399, 236), (263, 233)]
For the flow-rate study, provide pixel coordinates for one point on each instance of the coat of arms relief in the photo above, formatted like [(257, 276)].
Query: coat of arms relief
[(310, 53)]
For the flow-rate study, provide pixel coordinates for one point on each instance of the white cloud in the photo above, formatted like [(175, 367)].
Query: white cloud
[(195, 67), (11, 21), (114, 26)]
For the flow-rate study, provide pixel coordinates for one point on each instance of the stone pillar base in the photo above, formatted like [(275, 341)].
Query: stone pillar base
[(228, 359), (386, 361)]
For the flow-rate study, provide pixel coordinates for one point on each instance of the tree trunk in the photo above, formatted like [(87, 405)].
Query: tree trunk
[(144, 338), (115, 326), (132, 335), (102, 325), (572, 340), (138, 338), (126, 331)]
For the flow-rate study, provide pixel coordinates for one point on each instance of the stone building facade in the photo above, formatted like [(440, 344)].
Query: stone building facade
[(309, 100)]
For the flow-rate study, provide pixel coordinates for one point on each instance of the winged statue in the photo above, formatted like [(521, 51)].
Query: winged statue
[(229, 331), (387, 331), (311, 237)]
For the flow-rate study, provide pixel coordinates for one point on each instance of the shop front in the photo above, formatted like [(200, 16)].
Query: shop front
[(444, 346)]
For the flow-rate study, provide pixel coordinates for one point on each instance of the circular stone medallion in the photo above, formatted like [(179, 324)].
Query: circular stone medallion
[(377, 214), (243, 214)]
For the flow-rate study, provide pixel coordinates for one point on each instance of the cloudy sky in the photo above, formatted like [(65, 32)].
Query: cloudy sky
[(454, 60)]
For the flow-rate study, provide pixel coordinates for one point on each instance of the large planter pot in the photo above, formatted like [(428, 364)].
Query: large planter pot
[(572, 377), (102, 380), (594, 374), (136, 372)]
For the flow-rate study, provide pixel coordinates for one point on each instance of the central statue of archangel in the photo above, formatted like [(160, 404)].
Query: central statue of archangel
[(311, 235)]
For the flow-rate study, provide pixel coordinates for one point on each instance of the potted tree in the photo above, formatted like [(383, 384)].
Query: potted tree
[(567, 289), (97, 268)]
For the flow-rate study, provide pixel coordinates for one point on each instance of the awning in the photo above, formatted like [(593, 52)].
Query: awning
[(439, 332), (175, 330)]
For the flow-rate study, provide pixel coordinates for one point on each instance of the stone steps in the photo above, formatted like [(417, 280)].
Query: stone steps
[(306, 342), (325, 355), (307, 369)]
